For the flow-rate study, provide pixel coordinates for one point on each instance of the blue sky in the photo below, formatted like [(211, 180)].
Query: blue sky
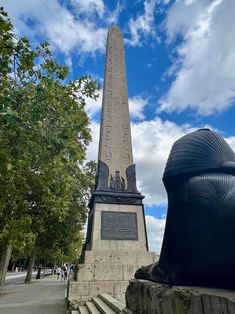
[(180, 61)]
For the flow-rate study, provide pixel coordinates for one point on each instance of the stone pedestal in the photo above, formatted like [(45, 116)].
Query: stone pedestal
[(109, 262), (107, 272), (147, 297), (122, 230)]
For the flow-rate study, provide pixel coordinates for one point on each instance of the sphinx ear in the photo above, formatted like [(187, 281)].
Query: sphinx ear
[(209, 190)]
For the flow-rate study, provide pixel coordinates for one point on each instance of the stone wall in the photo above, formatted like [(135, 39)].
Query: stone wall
[(147, 297)]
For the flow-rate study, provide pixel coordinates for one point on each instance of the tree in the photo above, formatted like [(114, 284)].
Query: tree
[(62, 237), (43, 138)]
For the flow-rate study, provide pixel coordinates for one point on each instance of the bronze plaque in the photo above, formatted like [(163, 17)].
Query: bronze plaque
[(119, 226)]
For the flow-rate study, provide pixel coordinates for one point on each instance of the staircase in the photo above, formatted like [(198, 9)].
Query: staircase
[(102, 304)]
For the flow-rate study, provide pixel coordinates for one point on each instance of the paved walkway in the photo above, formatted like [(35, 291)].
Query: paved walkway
[(44, 296)]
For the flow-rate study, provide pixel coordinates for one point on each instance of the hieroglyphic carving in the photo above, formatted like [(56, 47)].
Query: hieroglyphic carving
[(117, 182), (115, 148)]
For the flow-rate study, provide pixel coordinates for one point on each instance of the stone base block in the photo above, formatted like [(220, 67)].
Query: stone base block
[(84, 291), (102, 272), (97, 243), (117, 257), (148, 297), (106, 272)]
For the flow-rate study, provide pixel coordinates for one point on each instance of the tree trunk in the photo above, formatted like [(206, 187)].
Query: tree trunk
[(44, 271), (53, 268), (13, 265), (4, 262), (28, 277)]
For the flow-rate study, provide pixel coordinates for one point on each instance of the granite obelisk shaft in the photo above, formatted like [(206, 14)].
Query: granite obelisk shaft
[(115, 148)]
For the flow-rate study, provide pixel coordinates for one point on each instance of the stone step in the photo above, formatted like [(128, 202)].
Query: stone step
[(74, 312), (92, 309), (84, 291), (113, 303), (102, 306), (82, 309)]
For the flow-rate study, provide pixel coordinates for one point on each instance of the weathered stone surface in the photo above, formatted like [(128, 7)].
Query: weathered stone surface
[(117, 257), (115, 147), (115, 192), (84, 291), (105, 276), (98, 244), (106, 271), (147, 297)]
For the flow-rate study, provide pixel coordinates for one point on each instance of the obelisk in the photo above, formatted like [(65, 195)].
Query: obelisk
[(123, 221), (115, 148), (116, 243)]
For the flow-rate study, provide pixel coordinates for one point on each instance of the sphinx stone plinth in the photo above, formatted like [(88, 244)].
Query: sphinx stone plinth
[(148, 297)]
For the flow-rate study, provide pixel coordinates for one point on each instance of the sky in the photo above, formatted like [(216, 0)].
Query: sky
[(180, 63)]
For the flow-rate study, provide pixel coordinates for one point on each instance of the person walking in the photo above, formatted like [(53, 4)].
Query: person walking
[(65, 272), (58, 272), (62, 273), (71, 271)]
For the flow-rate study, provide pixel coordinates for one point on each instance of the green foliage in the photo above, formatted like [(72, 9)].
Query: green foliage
[(44, 132)]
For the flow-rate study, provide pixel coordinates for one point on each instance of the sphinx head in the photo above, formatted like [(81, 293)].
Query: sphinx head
[(198, 241), (200, 152)]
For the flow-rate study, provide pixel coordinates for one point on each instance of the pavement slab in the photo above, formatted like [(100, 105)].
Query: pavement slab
[(43, 296)]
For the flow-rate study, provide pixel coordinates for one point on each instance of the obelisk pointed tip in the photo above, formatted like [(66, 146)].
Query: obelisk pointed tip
[(114, 28)]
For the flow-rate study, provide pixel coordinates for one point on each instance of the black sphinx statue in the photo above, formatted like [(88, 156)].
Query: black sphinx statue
[(199, 241)]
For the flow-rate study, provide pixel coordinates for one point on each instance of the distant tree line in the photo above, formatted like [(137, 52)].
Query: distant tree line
[(44, 133)]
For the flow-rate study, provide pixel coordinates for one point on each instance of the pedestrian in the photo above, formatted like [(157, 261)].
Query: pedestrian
[(58, 272), (71, 271), (62, 273), (65, 272)]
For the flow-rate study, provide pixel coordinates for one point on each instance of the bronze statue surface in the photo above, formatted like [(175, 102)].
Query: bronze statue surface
[(199, 241)]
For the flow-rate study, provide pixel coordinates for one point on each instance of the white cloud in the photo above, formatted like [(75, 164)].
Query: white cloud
[(143, 25), (67, 29), (182, 17), (112, 18), (204, 79), (92, 150), (152, 141), (231, 142), (155, 231), (89, 6), (93, 106), (136, 107)]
